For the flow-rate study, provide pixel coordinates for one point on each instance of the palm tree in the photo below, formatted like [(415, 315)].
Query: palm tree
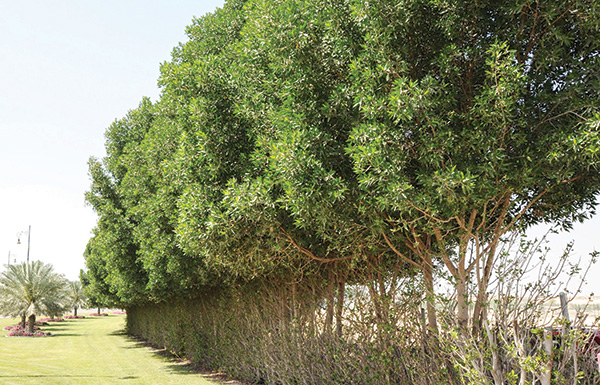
[(31, 288), (75, 296)]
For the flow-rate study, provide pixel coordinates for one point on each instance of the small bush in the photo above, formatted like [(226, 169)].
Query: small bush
[(18, 327), (25, 333)]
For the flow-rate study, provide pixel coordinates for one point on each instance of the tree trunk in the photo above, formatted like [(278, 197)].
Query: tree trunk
[(31, 323), (462, 310), (23, 321), (284, 310), (480, 309), (330, 305), (340, 308), (98, 310), (75, 312), (430, 293)]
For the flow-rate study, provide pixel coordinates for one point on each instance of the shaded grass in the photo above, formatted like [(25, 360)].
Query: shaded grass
[(88, 351)]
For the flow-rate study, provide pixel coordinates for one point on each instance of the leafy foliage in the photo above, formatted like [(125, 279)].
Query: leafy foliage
[(75, 296), (323, 144), (30, 289)]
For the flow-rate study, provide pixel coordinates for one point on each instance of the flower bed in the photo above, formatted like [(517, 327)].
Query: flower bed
[(99, 315), (73, 316), (18, 327), (25, 333), (119, 312), (17, 331)]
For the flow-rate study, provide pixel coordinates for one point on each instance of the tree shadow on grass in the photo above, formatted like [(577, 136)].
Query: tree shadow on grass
[(54, 329), (175, 364), (63, 376)]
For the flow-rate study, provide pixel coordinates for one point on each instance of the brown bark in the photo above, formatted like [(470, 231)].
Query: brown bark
[(294, 304), (429, 291), (340, 308), (479, 312), (330, 304), (31, 323), (421, 246), (462, 311)]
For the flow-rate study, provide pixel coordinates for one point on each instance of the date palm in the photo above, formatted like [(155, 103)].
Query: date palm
[(30, 289), (75, 295)]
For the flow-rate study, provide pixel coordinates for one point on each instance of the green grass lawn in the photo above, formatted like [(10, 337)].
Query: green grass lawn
[(93, 350)]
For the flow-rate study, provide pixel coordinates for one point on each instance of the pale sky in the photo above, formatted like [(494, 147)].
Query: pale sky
[(68, 69)]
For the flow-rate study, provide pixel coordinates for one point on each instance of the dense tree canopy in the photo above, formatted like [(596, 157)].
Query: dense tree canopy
[(334, 139)]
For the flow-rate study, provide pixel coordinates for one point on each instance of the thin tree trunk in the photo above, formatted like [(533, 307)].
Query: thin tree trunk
[(462, 311), (31, 323), (294, 305), (340, 308), (312, 313), (23, 321), (429, 291), (75, 312), (330, 304), (285, 313), (480, 309)]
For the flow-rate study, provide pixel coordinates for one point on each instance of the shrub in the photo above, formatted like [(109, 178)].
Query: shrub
[(24, 333), (18, 327)]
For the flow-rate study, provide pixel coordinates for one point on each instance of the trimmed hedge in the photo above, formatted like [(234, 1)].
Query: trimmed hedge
[(250, 336)]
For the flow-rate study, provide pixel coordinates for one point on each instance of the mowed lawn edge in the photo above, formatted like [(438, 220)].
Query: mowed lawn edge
[(93, 350)]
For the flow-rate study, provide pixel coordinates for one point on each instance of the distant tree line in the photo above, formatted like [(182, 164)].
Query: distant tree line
[(317, 147)]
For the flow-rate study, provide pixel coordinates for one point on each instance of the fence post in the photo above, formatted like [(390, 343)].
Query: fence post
[(564, 306)]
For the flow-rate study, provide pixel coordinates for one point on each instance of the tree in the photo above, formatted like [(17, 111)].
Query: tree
[(346, 138), (94, 279), (30, 289), (75, 296), (476, 119), (301, 146), (113, 249)]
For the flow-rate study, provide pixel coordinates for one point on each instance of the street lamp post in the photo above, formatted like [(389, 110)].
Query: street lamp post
[(28, 240)]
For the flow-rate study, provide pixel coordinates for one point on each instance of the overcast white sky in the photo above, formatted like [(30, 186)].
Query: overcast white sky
[(68, 69)]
